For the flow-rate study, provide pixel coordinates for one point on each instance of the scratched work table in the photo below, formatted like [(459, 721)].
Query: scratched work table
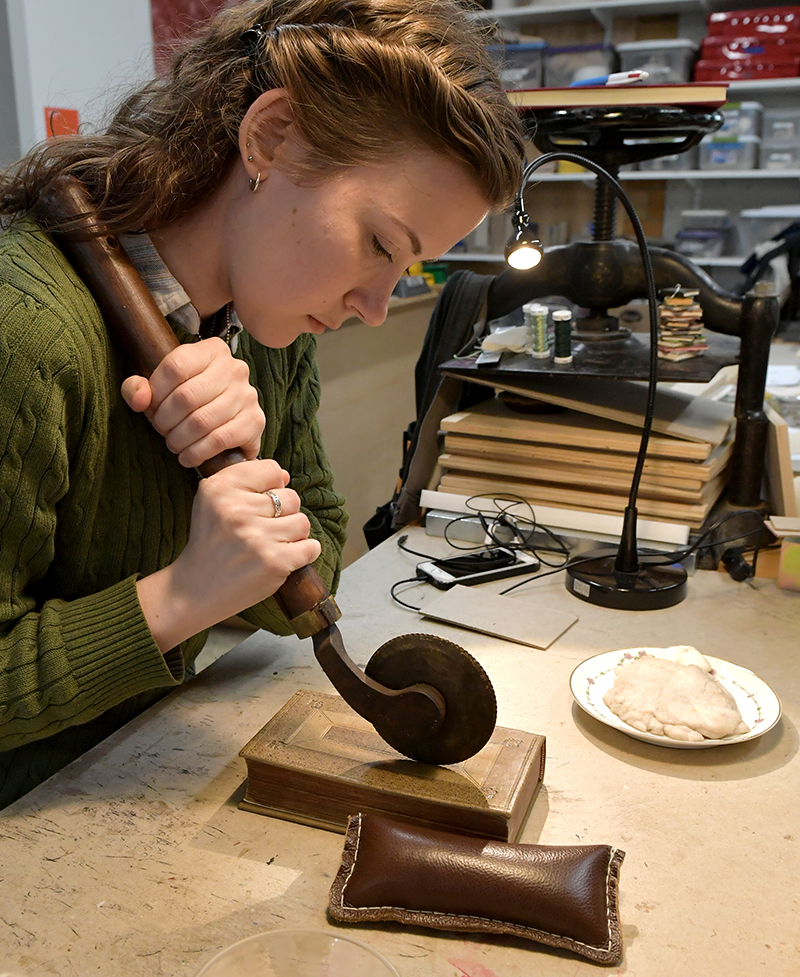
[(137, 861)]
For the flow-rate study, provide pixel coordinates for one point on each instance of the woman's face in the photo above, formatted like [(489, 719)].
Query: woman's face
[(302, 259)]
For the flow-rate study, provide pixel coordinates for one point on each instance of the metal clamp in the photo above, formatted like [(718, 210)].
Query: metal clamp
[(316, 618)]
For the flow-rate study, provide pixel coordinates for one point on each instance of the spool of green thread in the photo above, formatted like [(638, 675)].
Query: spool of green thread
[(536, 321), (562, 323)]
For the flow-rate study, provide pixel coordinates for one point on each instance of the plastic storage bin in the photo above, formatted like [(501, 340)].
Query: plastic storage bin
[(741, 119), (701, 244), (781, 126), (577, 62), (705, 220), (704, 233), (667, 61), (677, 161), (763, 223), (520, 65), (738, 154), (779, 156)]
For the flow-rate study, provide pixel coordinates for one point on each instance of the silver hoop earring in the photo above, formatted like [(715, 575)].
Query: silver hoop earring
[(255, 183)]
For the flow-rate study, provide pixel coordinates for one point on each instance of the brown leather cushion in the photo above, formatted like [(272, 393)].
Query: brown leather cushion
[(563, 896)]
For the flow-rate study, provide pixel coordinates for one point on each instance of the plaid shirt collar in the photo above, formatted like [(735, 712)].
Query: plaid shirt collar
[(169, 294)]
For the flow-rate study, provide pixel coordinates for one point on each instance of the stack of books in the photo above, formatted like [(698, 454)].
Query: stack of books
[(583, 460)]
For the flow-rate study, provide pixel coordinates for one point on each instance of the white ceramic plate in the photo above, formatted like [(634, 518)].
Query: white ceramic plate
[(757, 702)]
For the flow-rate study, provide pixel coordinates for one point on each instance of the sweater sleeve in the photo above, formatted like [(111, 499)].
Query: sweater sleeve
[(64, 662), (289, 389)]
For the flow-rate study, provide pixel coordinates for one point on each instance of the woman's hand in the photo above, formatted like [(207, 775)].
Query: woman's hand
[(201, 399), (238, 553)]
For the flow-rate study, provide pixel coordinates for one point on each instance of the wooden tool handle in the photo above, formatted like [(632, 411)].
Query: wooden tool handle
[(145, 337)]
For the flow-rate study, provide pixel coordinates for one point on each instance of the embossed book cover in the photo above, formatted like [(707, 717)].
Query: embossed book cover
[(316, 761)]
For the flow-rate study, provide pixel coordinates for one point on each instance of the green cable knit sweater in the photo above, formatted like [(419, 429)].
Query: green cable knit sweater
[(91, 499)]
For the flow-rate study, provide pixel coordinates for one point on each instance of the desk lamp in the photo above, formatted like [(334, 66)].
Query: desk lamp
[(524, 250), (611, 578)]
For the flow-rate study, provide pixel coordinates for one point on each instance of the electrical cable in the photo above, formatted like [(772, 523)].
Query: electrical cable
[(549, 573), (515, 523), (507, 521), (672, 556), (394, 596), (511, 521), (405, 549), (457, 546)]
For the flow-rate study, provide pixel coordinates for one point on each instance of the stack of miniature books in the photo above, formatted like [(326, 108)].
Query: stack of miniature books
[(680, 329)]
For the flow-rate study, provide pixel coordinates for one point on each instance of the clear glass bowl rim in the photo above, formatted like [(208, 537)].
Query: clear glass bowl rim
[(332, 934)]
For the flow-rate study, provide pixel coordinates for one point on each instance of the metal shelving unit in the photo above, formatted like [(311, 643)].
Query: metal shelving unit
[(675, 175), (685, 189), (764, 86), (692, 14), (603, 11)]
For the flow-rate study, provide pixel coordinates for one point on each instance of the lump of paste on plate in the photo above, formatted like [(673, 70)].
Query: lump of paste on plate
[(674, 695)]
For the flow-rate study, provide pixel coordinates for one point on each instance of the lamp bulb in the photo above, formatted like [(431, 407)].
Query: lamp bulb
[(524, 258)]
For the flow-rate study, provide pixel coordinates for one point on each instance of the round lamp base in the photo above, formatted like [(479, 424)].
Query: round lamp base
[(648, 589)]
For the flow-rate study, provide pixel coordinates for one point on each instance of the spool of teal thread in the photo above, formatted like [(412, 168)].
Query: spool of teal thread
[(562, 325)]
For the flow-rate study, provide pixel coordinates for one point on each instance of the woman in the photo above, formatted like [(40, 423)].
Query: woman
[(297, 158)]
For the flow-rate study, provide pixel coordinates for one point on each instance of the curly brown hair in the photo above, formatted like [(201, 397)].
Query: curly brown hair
[(365, 78)]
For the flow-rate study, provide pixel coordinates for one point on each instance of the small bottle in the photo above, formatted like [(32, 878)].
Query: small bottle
[(536, 321), (562, 323)]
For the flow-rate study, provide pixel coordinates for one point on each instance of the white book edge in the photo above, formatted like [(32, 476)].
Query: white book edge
[(652, 530), (783, 525)]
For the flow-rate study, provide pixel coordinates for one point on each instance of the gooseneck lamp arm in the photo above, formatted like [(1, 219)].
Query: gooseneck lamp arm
[(621, 582)]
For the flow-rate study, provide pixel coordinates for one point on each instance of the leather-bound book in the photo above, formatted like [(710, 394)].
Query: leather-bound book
[(317, 762)]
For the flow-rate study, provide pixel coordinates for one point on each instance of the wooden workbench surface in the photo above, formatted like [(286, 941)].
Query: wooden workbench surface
[(137, 861)]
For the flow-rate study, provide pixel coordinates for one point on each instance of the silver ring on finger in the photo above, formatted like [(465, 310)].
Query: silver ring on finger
[(276, 502)]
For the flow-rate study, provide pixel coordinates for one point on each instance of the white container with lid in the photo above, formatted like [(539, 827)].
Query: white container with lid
[(741, 119), (667, 60), (520, 65), (782, 125), (701, 244), (738, 154), (779, 156), (763, 223), (705, 220)]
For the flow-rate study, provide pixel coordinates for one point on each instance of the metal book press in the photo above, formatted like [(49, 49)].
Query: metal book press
[(607, 272)]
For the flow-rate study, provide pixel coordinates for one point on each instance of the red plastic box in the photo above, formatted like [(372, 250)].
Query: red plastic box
[(720, 47), (746, 69), (760, 20)]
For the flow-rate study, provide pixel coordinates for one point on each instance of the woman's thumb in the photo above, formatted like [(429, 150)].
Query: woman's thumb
[(136, 393)]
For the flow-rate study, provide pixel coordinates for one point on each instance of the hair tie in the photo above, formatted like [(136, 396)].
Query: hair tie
[(252, 40)]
